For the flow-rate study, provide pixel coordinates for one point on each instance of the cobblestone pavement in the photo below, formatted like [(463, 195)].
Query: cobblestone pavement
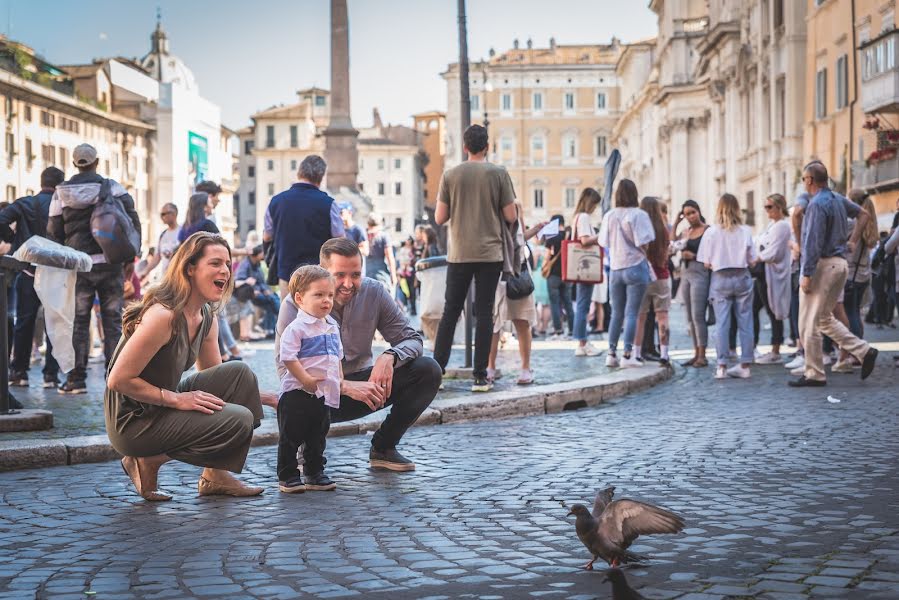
[(785, 494)]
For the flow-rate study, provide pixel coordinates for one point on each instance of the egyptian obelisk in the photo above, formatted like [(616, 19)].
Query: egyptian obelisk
[(341, 153)]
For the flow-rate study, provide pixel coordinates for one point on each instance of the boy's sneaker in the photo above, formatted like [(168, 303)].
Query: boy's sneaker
[(796, 363), (294, 485), (587, 349), (612, 361), (390, 460), (72, 387), (51, 381), (721, 372), (631, 362), (481, 384), (18, 379), (319, 482), (769, 359)]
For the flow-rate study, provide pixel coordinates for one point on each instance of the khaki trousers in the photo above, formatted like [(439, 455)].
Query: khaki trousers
[(816, 317)]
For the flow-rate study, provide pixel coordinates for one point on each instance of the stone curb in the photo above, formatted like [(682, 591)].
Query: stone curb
[(521, 402)]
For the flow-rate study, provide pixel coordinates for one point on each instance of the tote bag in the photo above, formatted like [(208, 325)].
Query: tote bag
[(581, 264)]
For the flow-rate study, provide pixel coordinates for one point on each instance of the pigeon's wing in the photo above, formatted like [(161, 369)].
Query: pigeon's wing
[(603, 497), (623, 520)]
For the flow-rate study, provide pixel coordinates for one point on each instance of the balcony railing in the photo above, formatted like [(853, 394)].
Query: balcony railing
[(880, 73), (880, 174)]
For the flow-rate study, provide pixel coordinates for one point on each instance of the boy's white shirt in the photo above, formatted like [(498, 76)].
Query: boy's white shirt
[(304, 328)]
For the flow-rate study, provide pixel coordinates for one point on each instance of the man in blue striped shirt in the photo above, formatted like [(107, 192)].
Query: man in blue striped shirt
[(823, 267)]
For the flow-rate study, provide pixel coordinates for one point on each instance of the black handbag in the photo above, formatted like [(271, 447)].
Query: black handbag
[(521, 285)]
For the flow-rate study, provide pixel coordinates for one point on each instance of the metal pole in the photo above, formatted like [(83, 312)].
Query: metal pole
[(4, 347), (465, 121)]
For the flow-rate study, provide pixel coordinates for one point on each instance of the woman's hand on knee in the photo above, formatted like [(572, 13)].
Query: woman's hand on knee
[(199, 401)]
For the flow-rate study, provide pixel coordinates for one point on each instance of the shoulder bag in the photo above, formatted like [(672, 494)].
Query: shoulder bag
[(581, 264)]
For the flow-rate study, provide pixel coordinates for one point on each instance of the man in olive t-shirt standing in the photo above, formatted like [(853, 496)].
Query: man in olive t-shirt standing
[(475, 197)]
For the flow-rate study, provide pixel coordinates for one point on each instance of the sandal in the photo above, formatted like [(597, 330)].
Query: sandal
[(700, 363), (525, 377), (689, 363)]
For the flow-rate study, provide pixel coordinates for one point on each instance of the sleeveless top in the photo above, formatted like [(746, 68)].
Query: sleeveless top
[(693, 245), (164, 370)]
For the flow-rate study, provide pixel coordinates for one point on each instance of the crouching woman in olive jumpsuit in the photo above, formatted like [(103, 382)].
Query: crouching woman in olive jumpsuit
[(206, 419)]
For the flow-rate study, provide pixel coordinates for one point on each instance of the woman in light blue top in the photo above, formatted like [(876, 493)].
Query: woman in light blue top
[(626, 231)]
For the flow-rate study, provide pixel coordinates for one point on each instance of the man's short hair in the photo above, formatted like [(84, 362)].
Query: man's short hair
[(210, 187), (341, 247), (475, 139), (313, 168), (305, 276), (818, 173), (257, 250), (171, 206), (52, 177)]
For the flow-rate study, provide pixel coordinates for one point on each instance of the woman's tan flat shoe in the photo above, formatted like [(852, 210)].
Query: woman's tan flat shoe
[(149, 495), (213, 488)]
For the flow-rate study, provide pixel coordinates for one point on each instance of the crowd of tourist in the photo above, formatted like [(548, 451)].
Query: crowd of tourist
[(323, 287)]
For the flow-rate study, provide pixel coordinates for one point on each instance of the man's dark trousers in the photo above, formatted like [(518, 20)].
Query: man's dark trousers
[(458, 279), (302, 421), (107, 282), (27, 305), (415, 385)]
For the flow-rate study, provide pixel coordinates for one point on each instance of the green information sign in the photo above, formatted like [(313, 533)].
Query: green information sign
[(198, 156)]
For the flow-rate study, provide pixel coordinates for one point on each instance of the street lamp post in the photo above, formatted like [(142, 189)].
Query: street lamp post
[(465, 121)]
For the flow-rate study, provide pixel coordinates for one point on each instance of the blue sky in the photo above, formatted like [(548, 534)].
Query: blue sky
[(247, 56)]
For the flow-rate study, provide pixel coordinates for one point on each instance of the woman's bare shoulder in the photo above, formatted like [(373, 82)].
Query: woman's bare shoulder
[(158, 317)]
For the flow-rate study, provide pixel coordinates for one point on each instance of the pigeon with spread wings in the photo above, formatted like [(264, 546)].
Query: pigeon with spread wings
[(613, 526)]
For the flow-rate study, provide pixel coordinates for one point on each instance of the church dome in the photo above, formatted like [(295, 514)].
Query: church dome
[(164, 66)]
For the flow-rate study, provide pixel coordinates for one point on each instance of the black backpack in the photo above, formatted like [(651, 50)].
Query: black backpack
[(113, 229)]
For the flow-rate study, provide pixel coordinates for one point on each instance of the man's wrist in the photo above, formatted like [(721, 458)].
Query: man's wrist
[(393, 354)]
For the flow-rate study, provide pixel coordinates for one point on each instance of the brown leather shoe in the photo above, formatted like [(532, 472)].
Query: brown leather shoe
[(212, 488)]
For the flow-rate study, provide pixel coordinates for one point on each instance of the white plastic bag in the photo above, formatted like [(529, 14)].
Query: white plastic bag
[(56, 290), (39, 250)]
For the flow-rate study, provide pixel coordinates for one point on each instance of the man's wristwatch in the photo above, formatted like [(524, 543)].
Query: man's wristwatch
[(393, 353)]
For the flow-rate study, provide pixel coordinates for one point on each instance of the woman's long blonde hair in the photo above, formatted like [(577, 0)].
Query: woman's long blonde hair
[(174, 289), (869, 235), (728, 214)]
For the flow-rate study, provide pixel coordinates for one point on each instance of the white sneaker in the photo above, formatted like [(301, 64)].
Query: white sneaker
[(796, 363), (721, 372), (800, 371), (756, 355), (738, 371), (631, 362), (587, 349), (842, 366), (612, 361), (828, 360), (768, 359)]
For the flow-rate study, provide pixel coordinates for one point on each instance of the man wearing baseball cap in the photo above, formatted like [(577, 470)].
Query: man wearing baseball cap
[(70, 224)]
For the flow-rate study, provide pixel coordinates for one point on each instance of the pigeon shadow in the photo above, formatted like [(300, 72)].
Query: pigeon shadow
[(621, 589)]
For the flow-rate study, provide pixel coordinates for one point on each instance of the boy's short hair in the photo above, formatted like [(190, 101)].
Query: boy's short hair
[(304, 276)]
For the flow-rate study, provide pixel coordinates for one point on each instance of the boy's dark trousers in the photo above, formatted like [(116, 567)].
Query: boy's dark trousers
[(304, 420)]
